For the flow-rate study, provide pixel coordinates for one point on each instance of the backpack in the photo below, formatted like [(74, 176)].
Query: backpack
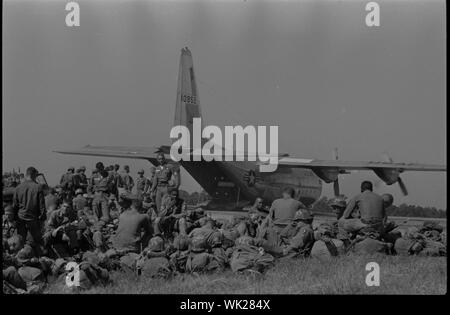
[(324, 250), (250, 257)]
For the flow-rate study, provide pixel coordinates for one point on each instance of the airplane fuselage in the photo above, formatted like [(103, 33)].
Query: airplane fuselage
[(237, 184)]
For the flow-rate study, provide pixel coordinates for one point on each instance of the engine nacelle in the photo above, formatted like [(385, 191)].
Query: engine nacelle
[(387, 175), (328, 175)]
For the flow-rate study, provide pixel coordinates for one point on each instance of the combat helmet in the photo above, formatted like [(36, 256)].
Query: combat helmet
[(339, 202), (245, 240), (156, 244), (198, 244), (303, 215)]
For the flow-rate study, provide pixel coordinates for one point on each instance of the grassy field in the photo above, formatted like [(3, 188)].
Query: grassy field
[(341, 275)]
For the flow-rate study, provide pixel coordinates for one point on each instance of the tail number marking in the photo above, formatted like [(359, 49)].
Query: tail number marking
[(188, 99)]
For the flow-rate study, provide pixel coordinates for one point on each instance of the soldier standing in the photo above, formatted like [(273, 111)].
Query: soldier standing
[(163, 174), (113, 180), (141, 184), (29, 209), (67, 182), (148, 188), (94, 180), (80, 179), (126, 180), (100, 202)]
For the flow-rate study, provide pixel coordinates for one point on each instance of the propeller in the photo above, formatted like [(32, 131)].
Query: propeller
[(336, 182), (400, 182), (402, 186)]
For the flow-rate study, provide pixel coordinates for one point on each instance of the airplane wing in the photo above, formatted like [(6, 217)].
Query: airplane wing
[(357, 165), (389, 172), (146, 153)]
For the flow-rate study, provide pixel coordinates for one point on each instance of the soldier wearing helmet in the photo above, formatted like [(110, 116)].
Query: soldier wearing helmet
[(154, 262), (298, 237), (9, 226), (79, 202), (338, 206)]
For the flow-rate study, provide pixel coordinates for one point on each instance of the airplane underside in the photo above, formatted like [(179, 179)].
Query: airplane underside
[(234, 185)]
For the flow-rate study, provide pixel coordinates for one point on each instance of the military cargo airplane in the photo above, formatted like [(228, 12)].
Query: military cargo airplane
[(234, 184)]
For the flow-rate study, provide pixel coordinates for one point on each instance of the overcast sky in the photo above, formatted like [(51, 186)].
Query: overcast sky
[(312, 67)]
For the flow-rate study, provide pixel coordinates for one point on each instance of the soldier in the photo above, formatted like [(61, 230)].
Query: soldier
[(338, 206), (67, 182), (141, 184), (94, 180), (154, 262), (148, 188), (388, 200), (79, 202), (172, 216), (132, 224), (99, 166), (371, 208), (100, 202), (80, 179), (114, 178), (29, 209), (59, 229), (51, 199), (299, 236), (163, 175), (283, 210), (257, 207), (9, 226), (127, 181)]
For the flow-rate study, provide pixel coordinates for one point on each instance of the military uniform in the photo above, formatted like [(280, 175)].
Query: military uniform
[(80, 179), (299, 240), (163, 174), (113, 183), (65, 232), (142, 184), (93, 181), (127, 182), (154, 262), (100, 202), (67, 183), (79, 203), (8, 229), (172, 216)]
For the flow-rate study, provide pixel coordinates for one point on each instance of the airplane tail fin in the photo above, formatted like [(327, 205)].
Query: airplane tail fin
[(188, 102)]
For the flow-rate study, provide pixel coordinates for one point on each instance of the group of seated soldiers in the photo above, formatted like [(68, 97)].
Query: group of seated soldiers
[(131, 233)]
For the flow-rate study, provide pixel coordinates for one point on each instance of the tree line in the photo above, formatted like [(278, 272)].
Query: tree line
[(402, 210)]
